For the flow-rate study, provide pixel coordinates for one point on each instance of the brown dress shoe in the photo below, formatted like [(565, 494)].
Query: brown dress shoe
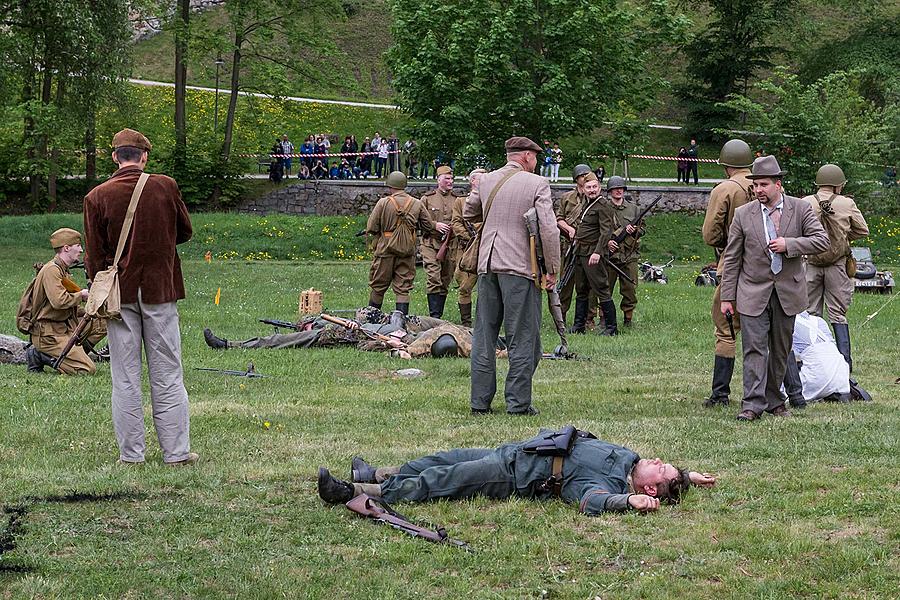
[(780, 411), (747, 415)]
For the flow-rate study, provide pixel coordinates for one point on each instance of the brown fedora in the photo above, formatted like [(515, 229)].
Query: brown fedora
[(765, 166)]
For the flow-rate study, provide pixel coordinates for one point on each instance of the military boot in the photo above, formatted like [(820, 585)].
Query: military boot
[(403, 307), (723, 369), (441, 302), (333, 490), (842, 340), (37, 360), (608, 308), (216, 343), (375, 303), (361, 471), (434, 309), (465, 314), (627, 317), (792, 384), (581, 310)]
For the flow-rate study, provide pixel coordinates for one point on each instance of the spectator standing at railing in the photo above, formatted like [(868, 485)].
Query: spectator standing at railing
[(693, 153), (555, 160), (423, 169), (276, 163), (383, 153), (325, 141), (287, 148), (376, 141), (545, 160), (354, 146), (394, 156), (682, 166), (410, 150), (345, 147), (365, 161), (306, 149)]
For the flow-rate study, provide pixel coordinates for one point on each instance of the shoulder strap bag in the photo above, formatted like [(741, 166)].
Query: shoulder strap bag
[(468, 262)]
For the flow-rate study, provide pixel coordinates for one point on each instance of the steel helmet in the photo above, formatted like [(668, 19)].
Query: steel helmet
[(736, 153), (396, 180), (830, 175), (580, 170), (616, 182), (445, 345)]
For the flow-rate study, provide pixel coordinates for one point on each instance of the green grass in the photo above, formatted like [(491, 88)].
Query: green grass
[(805, 507)]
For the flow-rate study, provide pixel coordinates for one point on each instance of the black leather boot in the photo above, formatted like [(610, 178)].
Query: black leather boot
[(792, 384), (377, 304), (403, 307), (37, 360), (608, 308), (465, 314), (441, 302), (361, 471), (842, 340), (581, 311), (333, 490), (723, 369), (434, 307), (216, 343)]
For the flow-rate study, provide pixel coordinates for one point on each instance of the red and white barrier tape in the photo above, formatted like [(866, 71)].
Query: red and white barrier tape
[(317, 155), (652, 157)]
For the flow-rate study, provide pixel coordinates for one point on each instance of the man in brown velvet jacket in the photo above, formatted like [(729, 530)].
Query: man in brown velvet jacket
[(150, 282)]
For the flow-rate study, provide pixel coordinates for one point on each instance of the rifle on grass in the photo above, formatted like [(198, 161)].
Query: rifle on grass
[(276, 323), (381, 512), (620, 237), (75, 339), (378, 337), (250, 372)]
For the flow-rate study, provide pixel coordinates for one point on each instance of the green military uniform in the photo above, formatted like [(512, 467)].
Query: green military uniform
[(55, 313), (591, 237), (465, 281), (727, 196), (828, 283), (595, 476), (626, 257), (394, 257), (439, 273), (568, 209)]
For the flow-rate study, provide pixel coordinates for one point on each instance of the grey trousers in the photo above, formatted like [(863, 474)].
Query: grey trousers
[(155, 326), (297, 339), (515, 303), (766, 340), (461, 473)]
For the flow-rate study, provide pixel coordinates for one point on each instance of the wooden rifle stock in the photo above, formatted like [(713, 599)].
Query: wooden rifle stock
[(381, 512), (76, 338), (445, 245), (378, 337)]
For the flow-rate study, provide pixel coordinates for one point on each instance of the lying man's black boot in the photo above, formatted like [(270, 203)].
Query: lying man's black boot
[(216, 343), (361, 471), (333, 490)]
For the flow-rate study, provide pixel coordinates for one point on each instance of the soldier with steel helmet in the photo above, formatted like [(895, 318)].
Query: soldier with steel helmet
[(624, 257), (828, 274), (393, 222), (728, 195), (568, 216)]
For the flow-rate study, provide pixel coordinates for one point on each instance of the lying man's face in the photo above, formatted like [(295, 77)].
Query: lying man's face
[(653, 477)]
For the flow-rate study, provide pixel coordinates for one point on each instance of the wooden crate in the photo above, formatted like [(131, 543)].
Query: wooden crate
[(310, 302)]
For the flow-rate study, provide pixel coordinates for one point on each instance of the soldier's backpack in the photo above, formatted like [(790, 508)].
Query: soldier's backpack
[(839, 248), (25, 313), (401, 240)]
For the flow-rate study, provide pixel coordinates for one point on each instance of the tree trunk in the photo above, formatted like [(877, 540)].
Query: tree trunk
[(181, 46), (41, 141), (90, 146), (232, 109), (54, 153)]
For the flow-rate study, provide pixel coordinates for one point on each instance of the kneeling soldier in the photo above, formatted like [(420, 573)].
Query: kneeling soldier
[(55, 302), (393, 222)]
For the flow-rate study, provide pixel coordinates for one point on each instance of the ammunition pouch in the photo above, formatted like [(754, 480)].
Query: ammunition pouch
[(557, 444)]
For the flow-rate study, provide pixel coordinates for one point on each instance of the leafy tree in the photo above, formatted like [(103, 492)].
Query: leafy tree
[(475, 73)]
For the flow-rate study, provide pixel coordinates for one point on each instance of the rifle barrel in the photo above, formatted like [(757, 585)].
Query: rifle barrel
[(76, 336)]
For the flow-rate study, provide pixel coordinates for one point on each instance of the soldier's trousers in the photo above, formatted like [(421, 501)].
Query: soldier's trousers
[(829, 287), (725, 346), (297, 339), (627, 289), (466, 283), (50, 337), (766, 343), (397, 272), (155, 327), (591, 279), (455, 474), (514, 303), (438, 273)]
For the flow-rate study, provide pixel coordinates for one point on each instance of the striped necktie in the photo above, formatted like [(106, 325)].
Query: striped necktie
[(770, 228)]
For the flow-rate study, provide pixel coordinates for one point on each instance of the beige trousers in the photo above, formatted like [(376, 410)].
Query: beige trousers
[(829, 287)]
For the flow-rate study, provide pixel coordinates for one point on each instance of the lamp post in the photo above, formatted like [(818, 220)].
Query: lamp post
[(219, 63)]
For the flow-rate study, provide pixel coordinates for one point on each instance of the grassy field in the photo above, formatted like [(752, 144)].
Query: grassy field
[(805, 507)]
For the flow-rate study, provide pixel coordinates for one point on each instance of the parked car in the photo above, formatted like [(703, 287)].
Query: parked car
[(868, 278)]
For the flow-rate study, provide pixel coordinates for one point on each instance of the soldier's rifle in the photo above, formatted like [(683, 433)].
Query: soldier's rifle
[(620, 237), (278, 324), (380, 512), (445, 245), (75, 339), (729, 316), (378, 337), (250, 372), (539, 271)]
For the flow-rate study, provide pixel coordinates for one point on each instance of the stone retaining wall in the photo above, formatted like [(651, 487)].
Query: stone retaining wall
[(329, 198)]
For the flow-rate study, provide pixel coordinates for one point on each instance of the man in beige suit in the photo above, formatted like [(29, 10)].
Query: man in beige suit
[(507, 294), (765, 280)]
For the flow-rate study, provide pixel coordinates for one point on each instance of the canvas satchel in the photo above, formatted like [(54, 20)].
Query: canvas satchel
[(839, 249), (104, 300), (468, 262)]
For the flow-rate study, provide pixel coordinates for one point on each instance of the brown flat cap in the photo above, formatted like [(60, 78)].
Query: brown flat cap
[(130, 137), (64, 237), (444, 170), (518, 144), (589, 176), (765, 166)]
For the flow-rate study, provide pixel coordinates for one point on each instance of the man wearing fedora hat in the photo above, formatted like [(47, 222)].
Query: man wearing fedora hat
[(764, 280), (150, 282), (507, 294)]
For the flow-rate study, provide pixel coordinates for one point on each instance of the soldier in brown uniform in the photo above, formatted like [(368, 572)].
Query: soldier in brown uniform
[(465, 281), (439, 204), (568, 216), (731, 193), (591, 239), (393, 222), (828, 282), (56, 301), (624, 256)]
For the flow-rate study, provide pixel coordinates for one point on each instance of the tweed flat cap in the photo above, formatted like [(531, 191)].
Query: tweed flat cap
[(765, 166), (64, 237), (130, 137), (518, 144), (444, 170)]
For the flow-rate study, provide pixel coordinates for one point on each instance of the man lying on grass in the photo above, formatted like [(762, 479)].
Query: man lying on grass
[(568, 464)]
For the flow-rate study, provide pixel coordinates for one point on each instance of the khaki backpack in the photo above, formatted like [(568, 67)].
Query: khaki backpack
[(25, 314), (839, 249), (401, 240)]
